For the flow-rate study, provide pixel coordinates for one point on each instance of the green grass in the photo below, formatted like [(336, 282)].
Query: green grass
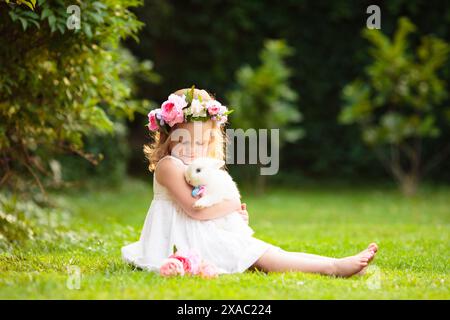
[(413, 235)]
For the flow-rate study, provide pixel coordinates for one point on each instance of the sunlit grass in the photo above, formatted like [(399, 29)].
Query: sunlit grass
[(413, 235)]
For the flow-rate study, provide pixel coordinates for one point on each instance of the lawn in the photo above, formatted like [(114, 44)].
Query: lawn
[(413, 236)]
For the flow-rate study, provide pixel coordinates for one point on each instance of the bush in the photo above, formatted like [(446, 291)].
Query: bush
[(60, 85), (62, 92), (22, 220), (112, 150)]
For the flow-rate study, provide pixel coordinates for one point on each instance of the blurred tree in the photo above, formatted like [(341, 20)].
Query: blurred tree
[(263, 98), (398, 101), (205, 42)]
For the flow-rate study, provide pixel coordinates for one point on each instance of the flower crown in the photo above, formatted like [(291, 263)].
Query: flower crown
[(179, 109)]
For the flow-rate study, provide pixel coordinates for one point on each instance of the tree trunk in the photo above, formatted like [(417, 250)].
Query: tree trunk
[(409, 184)]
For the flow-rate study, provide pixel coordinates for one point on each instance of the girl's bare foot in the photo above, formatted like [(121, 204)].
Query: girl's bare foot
[(346, 267), (373, 247)]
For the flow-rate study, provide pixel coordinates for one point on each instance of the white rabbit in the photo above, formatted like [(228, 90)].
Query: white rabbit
[(218, 183), (218, 186)]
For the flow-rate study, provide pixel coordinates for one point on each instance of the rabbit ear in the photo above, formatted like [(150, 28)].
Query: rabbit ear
[(217, 164)]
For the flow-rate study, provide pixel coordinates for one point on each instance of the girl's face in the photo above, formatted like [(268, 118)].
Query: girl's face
[(191, 140)]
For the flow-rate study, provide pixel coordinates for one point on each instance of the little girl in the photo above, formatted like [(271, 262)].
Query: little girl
[(187, 126)]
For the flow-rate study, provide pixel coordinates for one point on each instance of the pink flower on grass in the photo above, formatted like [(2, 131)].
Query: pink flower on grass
[(195, 260), (172, 109), (190, 259), (152, 120), (171, 267), (186, 263), (208, 270)]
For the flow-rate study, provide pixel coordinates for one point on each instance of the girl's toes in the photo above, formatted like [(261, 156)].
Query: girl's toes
[(372, 255), (373, 247)]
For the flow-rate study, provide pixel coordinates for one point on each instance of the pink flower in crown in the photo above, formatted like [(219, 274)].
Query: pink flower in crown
[(222, 109), (152, 120), (213, 107), (208, 270), (172, 109), (222, 119), (171, 267)]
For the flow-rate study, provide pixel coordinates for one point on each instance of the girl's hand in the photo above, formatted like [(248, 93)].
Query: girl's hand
[(243, 212)]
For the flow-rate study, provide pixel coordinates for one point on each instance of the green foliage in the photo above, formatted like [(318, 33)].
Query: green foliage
[(113, 152), (263, 97), (59, 85), (400, 98), (108, 152), (329, 53), (402, 93), (64, 93), (29, 3), (24, 220)]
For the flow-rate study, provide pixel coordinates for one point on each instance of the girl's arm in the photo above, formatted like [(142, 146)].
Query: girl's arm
[(170, 174)]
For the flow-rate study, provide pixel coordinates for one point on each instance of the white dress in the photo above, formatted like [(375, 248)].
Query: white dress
[(231, 249)]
